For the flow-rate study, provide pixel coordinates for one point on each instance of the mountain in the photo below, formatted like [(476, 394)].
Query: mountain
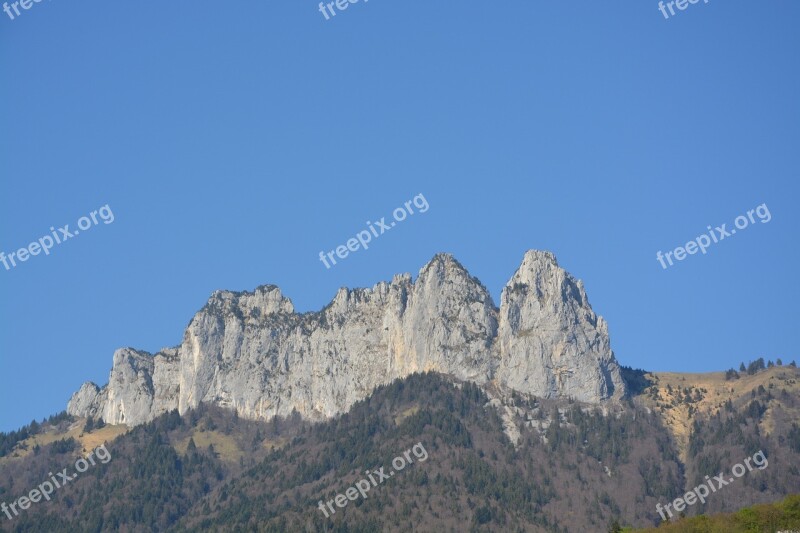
[(252, 353), (515, 418), (209, 471), (574, 467)]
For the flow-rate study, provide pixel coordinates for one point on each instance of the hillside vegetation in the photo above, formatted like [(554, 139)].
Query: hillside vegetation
[(497, 461)]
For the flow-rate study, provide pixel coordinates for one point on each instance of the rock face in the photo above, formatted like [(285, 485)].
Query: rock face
[(550, 341), (251, 352)]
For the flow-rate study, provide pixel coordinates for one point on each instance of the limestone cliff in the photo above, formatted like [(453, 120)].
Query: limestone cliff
[(251, 352)]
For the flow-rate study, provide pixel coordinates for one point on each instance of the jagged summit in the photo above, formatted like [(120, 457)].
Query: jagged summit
[(444, 262), (267, 299), (540, 256), (250, 351)]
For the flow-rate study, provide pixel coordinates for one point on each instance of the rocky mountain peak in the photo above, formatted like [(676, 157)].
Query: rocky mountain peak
[(264, 300), (250, 351), (443, 264), (544, 313)]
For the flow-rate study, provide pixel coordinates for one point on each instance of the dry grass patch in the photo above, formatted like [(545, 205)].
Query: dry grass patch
[(88, 441), (713, 391), (414, 409), (224, 445)]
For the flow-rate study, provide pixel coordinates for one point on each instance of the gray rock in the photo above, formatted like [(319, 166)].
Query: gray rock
[(252, 353), (551, 344)]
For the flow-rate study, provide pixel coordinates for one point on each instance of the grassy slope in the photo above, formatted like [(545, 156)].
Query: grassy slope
[(714, 391)]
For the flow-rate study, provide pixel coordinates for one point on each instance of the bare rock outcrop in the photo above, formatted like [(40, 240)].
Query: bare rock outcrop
[(253, 353)]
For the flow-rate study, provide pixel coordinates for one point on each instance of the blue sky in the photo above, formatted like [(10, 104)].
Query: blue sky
[(234, 141)]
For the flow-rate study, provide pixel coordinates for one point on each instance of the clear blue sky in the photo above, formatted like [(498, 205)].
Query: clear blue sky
[(233, 141)]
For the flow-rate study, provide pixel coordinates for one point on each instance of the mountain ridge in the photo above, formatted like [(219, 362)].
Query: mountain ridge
[(252, 352)]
